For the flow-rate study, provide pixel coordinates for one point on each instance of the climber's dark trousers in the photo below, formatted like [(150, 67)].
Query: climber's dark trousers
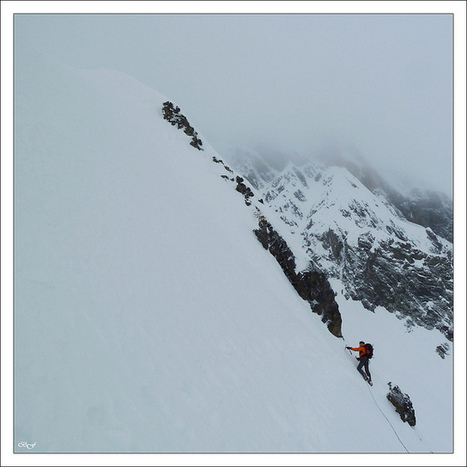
[(364, 364)]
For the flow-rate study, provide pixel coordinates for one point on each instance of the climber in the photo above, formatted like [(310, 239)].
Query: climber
[(365, 353)]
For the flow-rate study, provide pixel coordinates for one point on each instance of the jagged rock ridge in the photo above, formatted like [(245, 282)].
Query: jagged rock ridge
[(172, 114)]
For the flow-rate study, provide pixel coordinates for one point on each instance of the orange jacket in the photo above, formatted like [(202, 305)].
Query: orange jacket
[(360, 349)]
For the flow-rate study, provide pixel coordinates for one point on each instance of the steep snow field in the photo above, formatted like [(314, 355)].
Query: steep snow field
[(148, 318)]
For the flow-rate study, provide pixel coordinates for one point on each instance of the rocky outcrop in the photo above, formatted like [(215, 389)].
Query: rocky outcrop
[(174, 117), (402, 404), (244, 190), (443, 350), (312, 285), (240, 186)]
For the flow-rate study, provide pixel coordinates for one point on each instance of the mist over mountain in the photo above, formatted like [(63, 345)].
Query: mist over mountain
[(417, 202), (303, 83)]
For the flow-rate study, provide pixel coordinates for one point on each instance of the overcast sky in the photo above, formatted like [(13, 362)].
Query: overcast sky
[(378, 85)]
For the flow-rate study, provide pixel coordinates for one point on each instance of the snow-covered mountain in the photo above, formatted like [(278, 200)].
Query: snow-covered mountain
[(149, 316), (356, 230)]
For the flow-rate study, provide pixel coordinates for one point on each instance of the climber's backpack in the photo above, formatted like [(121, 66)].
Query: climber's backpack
[(369, 350)]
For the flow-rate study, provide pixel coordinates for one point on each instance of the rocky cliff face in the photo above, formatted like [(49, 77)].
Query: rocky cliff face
[(311, 284), (388, 250)]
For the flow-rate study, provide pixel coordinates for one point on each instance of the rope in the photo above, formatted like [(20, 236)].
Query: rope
[(395, 432), (379, 408)]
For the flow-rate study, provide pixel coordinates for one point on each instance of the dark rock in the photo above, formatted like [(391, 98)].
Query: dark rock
[(331, 240), (365, 241), (244, 190), (174, 117), (442, 350), (402, 404)]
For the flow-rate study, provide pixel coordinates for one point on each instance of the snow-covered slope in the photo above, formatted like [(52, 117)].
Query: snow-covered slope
[(148, 318)]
